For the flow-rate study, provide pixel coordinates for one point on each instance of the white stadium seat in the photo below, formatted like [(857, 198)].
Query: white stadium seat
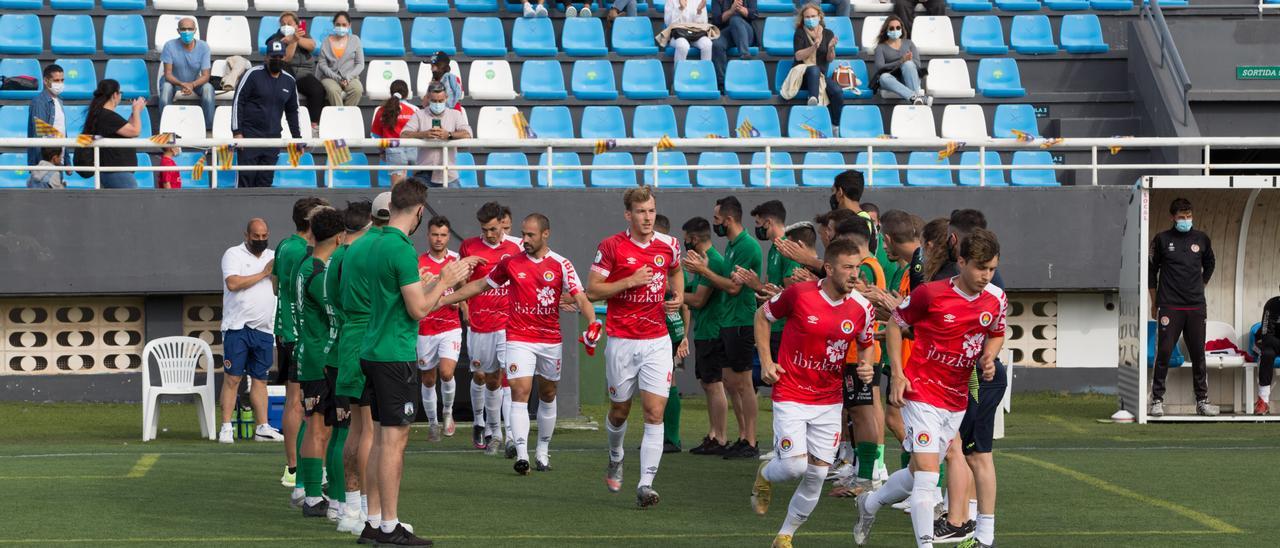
[(227, 5), (340, 123), (424, 76), (964, 122), (229, 35), (872, 6), (381, 74), (377, 6), (173, 5), (490, 80), (496, 123), (910, 121), (275, 5), (304, 124), (218, 69), (328, 6), (871, 32), (949, 78), (187, 121), (167, 29), (933, 35), (222, 122)]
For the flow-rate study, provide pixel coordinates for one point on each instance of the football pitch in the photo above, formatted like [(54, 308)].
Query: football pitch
[(77, 474)]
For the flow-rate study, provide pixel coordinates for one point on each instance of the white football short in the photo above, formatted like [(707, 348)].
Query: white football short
[(929, 429), (628, 362), (441, 346), (524, 359), (487, 350), (800, 429)]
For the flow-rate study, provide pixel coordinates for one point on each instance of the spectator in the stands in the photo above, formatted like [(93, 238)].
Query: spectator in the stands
[(102, 120), (689, 15), (815, 47), (300, 61), (170, 177), (264, 95), (570, 11), (734, 18), (388, 121), (49, 157), (535, 8), (441, 72), (906, 10), (897, 67), (341, 63), (184, 71), (47, 107), (437, 122), (618, 9)]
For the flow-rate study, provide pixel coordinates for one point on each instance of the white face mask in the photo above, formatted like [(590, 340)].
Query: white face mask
[(56, 88), (287, 30)]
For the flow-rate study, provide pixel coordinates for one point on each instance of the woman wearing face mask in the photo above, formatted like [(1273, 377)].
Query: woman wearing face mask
[(299, 61), (815, 47), (341, 62), (388, 121), (103, 121), (898, 64)]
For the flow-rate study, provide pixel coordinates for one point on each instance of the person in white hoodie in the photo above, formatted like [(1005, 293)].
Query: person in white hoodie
[(687, 11)]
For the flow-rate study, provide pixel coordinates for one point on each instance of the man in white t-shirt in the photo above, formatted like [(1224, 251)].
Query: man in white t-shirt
[(248, 314)]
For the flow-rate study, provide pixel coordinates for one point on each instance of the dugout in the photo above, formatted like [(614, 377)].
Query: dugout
[(1241, 214)]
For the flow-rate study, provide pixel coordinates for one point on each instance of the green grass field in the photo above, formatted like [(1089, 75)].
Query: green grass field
[(76, 474)]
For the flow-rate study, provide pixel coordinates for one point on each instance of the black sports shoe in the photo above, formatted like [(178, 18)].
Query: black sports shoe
[(944, 531), (708, 444), (522, 467), (668, 447), (477, 437), (318, 510), (741, 450), (731, 448), (402, 537), (370, 535)]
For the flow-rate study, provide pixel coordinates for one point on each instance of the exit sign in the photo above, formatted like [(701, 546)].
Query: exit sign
[(1257, 73)]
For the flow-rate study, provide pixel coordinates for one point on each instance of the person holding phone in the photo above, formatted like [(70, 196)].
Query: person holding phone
[(437, 122)]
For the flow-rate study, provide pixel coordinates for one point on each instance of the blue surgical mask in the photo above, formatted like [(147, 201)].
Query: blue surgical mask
[(187, 36), (894, 34), (810, 22), (342, 31), (436, 108), (1182, 225)]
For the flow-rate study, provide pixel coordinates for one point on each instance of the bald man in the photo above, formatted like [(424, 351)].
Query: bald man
[(248, 314), (185, 71)]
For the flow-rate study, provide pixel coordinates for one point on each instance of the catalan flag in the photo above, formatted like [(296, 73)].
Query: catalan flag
[(747, 131), (338, 151), (1115, 149), (814, 133), (85, 139), (522, 126), (604, 145), (295, 153), (665, 143), (45, 129), (197, 171), (388, 143), (166, 138), (952, 147), (1022, 136), (225, 156), (885, 136), (713, 136), (1051, 142)]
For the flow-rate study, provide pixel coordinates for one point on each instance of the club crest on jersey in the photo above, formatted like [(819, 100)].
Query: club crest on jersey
[(659, 260), (226, 364), (1164, 321), (923, 439), (985, 319), (512, 368), (408, 408), (785, 444), (613, 391), (548, 276), (905, 303), (599, 256), (1195, 248), (846, 327)]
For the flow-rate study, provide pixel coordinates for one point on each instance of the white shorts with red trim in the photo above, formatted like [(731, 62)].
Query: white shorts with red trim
[(487, 350), (929, 429), (441, 346), (800, 429), (646, 362), (525, 359)]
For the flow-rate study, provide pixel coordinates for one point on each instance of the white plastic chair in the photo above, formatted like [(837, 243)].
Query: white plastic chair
[(381, 74), (326, 6), (275, 5), (377, 6), (872, 6), (912, 121), (226, 5), (186, 121), (339, 123), (219, 69), (167, 28), (933, 35), (949, 78), (176, 360), (491, 80), (964, 122), (496, 123), (871, 32), (229, 35), (222, 122), (174, 5), (304, 124)]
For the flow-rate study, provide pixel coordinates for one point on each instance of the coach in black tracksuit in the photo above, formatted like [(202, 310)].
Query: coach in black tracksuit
[(1181, 264), (263, 94)]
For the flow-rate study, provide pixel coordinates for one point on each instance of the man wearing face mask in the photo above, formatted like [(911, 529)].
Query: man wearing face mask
[(1181, 264), (47, 107), (437, 122), (185, 70), (262, 96), (248, 311)]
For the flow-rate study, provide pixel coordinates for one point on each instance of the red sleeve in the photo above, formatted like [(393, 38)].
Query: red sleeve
[(867, 336), (463, 249), (604, 261), (500, 274), (780, 305), (998, 326), (572, 284), (915, 307), (675, 257), (377, 128)]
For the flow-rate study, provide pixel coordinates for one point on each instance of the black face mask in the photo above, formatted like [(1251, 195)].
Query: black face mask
[(835, 204), (275, 65), (689, 245), (257, 246), (720, 230), (416, 225), (762, 233)]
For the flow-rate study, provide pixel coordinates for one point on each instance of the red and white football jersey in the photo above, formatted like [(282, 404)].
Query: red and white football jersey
[(446, 317), (950, 331), (488, 310), (534, 287), (818, 335), (637, 313)]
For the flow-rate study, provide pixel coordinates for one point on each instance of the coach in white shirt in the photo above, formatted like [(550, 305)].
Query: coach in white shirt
[(248, 313)]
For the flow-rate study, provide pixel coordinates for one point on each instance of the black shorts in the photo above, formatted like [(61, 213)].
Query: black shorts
[(366, 396), (977, 429), (341, 404), (739, 348), (395, 391), (317, 399), (708, 360), (856, 392), (775, 342), (286, 367)]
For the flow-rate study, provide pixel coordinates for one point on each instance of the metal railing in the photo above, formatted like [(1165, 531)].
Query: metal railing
[(1097, 149), (1169, 58)]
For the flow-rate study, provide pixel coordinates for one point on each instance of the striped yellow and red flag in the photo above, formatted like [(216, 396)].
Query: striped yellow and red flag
[(45, 129), (295, 151), (84, 139), (338, 151), (388, 143), (665, 143), (522, 126), (950, 150), (1051, 142), (166, 138), (747, 131), (197, 170), (814, 133), (1022, 136), (605, 145), (225, 157)]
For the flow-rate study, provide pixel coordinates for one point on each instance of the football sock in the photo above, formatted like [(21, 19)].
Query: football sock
[(787, 469), (922, 502), (866, 452), (650, 453), (337, 473), (616, 436), (671, 417), (302, 434), (986, 530), (312, 475), (390, 525), (973, 508), (879, 457), (492, 411), (506, 412), (353, 501), (447, 391), (896, 489), (845, 452), (429, 403), (942, 474), (477, 403), (375, 520), (364, 504), (905, 459), (520, 428), (805, 499), (546, 426), (1264, 392)]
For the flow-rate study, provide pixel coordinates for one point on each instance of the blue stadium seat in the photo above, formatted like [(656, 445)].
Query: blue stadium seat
[(124, 5), (81, 78), (1067, 5), (466, 178), (382, 36), (666, 175), (763, 119), (14, 178), (1153, 336), (1033, 177), (779, 35), (476, 6), (861, 121), (1018, 5), (720, 178), (613, 178), (427, 6), (13, 66), (593, 80), (695, 80), (633, 36), (583, 37), (542, 80), (352, 178), (928, 177), (969, 5), (777, 177), (507, 179), (73, 35), (973, 177), (534, 37), (653, 121), (266, 27), (1032, 35), (125, 110), (562, 177), (882, 176), (290, 178), (320, 28), (1082, 33), (20, 4), (187, 159), (644, 79), (483, 37), (551, 122), (746, 79), (124, 34), (816, 117), (1111, 5), (702, 121), (132, 75), (1011, 117), (863, 91), (775, 6), (13, 121), (824, 176), (982, 35), (780, 72), (846, 41), (20, 33), (146, 179), (998, 77), (75, 115), (71, 5), (603, 122), (431, 34)]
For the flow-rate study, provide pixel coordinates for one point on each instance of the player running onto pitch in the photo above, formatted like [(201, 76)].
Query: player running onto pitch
[(439, 336)]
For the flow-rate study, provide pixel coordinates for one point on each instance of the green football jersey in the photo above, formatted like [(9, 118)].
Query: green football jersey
[(392, 335), (706, 320), (289, 255), (353, 300), (777, 269), (743, 251), (316, 329), (333, 290)]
